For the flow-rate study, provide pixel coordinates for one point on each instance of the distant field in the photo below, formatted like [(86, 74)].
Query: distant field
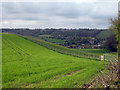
[(26, 64), (104, 34), (49, 39), (93, 51), (44, 35), (54, 40)]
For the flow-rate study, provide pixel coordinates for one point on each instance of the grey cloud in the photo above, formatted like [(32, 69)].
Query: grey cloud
[(67, 10), (58, 14)]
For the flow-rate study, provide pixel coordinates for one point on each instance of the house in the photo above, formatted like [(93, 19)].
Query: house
[(91, 42)]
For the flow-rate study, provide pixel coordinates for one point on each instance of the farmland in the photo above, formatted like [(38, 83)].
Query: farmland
[(26, 64), (54, 40), (50, 39)]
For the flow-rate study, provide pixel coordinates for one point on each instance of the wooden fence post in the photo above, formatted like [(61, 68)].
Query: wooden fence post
[(100, 58)]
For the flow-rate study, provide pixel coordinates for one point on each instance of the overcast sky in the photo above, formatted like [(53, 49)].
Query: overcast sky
[(76, 14)]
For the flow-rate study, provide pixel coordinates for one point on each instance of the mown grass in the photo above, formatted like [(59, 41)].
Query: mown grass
[(26, 64)]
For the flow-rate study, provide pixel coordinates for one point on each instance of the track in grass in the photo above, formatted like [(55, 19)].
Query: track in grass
[(27, 64)]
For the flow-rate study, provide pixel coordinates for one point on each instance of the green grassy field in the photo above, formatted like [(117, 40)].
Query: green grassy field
[(93, 51), (26, 64), (49, 39), (54, 40), (44, 36)]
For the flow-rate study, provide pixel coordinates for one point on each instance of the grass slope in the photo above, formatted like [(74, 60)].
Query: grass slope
[(104, 34), (27, 64)]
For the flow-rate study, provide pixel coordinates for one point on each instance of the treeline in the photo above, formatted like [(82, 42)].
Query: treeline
[(55, 32)]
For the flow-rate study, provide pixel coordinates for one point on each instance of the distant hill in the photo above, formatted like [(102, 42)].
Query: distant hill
[(104, 34), (55, 32), (72, 38)]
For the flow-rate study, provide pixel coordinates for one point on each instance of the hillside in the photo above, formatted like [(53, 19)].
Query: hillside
[(27, 64), (62, 49), (104, 34)]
